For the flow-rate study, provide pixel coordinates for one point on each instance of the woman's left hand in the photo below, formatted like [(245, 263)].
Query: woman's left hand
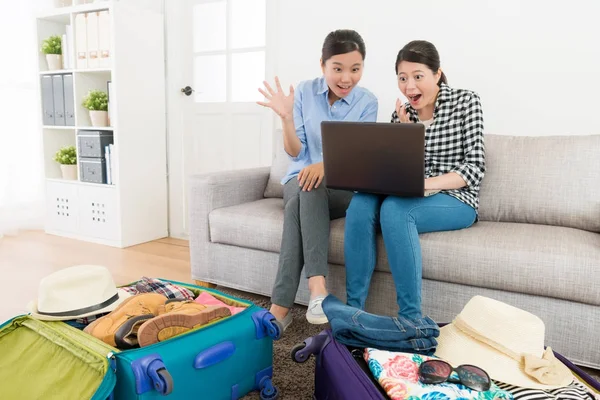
[(311, 176), (428, 185)]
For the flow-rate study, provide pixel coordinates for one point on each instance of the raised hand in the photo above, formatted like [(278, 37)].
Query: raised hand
[(401, 111), (277, 100)]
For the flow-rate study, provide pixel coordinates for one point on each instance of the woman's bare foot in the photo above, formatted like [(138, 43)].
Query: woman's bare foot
[(278, 311), (316, 285)]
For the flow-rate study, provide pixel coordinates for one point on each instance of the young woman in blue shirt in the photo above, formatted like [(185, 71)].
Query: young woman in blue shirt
[(309, 204)]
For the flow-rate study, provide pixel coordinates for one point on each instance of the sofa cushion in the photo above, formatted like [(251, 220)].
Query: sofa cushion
[(525, 258), (550, 180), (255, 225), (279, 168)]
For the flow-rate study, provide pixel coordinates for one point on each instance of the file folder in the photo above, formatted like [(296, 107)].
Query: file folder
[(47, 100), (59, 100), (92, 40), (104, 39), (69, 100), (81, 41)]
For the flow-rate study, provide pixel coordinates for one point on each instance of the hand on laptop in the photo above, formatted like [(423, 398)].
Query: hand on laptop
[(280, 103), (401, 111), (311, 176)]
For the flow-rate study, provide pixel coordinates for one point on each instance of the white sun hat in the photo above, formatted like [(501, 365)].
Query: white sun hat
[(76, 292), (507, 342)]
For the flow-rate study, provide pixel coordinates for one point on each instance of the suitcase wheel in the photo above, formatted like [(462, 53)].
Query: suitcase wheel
[(268, 391), (150, 374), (267, 325), (313, 345), (276, 329), (298, 355), (164, 383)]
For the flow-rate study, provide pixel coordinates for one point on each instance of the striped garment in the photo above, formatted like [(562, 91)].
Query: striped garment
[(575, 391)]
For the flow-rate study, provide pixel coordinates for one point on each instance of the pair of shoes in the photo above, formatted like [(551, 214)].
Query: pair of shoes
[(119, 328), (177, 317), (314, 313), (148, 318)]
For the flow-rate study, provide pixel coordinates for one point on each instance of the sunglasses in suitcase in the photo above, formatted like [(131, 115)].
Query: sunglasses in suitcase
[(341, 372), (225, 359)]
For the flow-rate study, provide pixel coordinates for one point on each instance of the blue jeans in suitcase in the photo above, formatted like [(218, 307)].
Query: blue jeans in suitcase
[(354, 327)]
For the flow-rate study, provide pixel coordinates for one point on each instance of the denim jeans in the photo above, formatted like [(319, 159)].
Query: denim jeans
[(354, 327), (401, 219)]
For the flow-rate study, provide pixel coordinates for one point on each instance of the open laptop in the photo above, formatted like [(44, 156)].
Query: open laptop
[(374, 157)]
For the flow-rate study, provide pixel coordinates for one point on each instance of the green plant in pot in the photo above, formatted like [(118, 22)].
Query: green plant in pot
[(52, 48), (96, 101), (67, 158)]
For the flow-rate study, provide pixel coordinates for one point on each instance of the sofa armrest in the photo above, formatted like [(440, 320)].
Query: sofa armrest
[(217, 190)]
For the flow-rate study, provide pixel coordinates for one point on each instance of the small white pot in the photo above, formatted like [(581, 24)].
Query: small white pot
[(54, 61), (99, 118), (69, 172)]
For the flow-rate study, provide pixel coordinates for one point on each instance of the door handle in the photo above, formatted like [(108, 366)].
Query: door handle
[(187, 90)]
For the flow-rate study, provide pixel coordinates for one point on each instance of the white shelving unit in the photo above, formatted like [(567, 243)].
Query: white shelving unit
[(134, 208)]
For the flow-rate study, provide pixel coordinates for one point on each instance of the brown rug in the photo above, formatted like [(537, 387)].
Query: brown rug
[(296, 381)]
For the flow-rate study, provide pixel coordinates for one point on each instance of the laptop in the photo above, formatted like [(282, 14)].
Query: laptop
[(375, 157)]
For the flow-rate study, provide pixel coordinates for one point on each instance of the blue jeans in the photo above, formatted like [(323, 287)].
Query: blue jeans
[(401, 219), (354, 327)]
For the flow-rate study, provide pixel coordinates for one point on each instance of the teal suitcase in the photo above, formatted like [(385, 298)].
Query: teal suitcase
[(226, 359)]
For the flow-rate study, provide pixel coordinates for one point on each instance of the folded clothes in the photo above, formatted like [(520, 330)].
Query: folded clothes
[(398, 375), (357, 328), (152, 285), (207, 299)]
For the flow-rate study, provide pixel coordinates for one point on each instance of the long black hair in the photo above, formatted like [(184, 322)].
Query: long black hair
[(422, 52)]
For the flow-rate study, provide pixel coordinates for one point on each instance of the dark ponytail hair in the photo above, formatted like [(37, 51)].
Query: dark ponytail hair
[(422, 52), (342, 41)]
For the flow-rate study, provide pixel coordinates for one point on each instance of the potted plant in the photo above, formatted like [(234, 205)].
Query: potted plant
[(67, 158), (52, 48), (96, 101)]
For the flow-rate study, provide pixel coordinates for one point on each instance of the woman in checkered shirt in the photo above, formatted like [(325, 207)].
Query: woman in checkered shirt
[(454, 165)]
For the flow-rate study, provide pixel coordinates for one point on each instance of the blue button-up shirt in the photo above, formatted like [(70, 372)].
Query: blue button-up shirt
[(311, 107)]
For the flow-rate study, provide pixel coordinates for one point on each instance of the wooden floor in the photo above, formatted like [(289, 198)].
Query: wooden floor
[(29, 256)]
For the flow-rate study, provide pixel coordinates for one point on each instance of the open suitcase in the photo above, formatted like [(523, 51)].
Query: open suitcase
[(225, 359), (341, 373)]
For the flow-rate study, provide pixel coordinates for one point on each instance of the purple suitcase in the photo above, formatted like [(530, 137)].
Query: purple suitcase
[(341, 373)]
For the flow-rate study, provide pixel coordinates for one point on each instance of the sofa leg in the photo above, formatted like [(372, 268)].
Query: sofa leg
[(206, 284)]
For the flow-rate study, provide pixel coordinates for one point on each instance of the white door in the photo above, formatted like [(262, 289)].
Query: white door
[(217, 57)]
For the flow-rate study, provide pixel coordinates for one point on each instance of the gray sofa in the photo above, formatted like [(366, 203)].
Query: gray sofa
[(536, 245)]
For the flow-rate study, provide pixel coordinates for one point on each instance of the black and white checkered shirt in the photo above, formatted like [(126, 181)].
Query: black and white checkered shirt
[(454, 141)]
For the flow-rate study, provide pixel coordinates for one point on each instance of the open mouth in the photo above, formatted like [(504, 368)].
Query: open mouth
[(344, 88), (414, 99)]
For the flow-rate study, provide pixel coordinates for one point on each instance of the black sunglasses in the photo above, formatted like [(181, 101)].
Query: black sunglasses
[(438, 371)]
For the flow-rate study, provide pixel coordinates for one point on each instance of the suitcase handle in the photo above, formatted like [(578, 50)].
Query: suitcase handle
[(214, 355)]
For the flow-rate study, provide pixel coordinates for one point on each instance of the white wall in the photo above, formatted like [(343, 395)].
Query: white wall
[(535, 63), (21, 177)]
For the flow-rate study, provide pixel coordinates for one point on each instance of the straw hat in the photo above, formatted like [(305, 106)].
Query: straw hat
[(507, 342), (76, 292)]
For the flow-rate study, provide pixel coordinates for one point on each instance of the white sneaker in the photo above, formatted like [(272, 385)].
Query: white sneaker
[(315, 314)]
